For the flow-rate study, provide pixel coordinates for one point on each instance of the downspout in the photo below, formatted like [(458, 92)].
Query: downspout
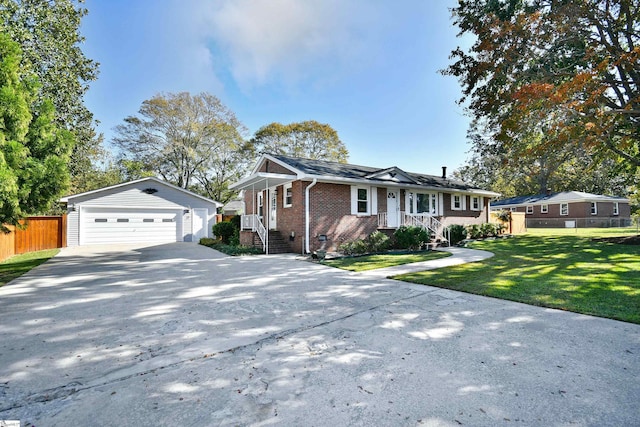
[(306, 214)]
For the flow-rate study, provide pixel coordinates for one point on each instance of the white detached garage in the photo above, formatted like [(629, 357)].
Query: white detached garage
[(147, 210)]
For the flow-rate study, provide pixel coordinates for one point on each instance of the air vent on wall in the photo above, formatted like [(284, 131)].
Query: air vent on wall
[(149, 190)]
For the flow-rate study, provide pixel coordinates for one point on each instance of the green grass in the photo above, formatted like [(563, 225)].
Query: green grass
[(584, 232), (17, 265), (552, 269), (371, 262)]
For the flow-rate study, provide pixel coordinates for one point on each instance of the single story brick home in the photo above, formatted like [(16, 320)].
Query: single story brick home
[(569, 209), (302, 205), (146, 210)]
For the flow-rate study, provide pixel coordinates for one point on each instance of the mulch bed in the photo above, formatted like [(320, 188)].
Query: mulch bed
[(624, 240)]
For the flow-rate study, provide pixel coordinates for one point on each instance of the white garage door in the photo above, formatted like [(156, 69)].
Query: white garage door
[(106, 225)]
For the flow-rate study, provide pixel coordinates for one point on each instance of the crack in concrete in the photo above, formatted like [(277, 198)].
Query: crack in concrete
[(67, 390)]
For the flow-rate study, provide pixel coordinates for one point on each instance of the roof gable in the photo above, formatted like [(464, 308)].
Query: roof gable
[(151, 181), (393, 174)]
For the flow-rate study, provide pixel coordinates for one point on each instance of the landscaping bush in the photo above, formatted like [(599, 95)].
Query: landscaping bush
[(225, 231), (457, 233), (229, 249), (474, 231), (413, 238), (356, 247), (482, 231), (377, 242)]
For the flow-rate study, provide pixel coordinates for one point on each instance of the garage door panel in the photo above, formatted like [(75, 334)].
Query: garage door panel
[(104, 226)]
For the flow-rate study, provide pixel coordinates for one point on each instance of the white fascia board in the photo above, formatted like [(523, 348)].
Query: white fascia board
[(253, 179), (352, 181)]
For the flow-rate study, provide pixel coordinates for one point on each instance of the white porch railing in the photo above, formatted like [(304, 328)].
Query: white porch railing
[(426, 221), (253, 223)]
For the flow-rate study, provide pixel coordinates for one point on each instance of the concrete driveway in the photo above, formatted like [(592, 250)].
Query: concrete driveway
[(179, 334)]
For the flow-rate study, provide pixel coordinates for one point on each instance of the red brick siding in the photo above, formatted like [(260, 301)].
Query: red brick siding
[(330, 206)]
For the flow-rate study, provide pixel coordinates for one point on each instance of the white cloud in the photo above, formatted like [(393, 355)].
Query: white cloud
[(286, 41)]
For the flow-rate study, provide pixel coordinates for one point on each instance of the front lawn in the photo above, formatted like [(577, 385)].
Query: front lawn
[(17, 265), (560, 270), (371, 262)]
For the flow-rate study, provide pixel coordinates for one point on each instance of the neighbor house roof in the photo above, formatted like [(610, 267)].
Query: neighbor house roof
[(554, 198), (326, 171)]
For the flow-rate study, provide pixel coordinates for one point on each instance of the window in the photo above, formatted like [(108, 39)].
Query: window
[(123, 219), (100, 220), (287, 196), (616, 210), (564, 208), (260, 205), (529, 209), (456, 202), (476, 204), (167, 219), (363, 200), (544, 209), (594, 208), (514, 209), (147, 220)]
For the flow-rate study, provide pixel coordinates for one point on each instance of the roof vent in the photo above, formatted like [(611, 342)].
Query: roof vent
[(149, 190)]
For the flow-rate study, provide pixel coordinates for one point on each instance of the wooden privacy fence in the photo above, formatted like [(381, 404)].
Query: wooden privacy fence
[(41, 232)]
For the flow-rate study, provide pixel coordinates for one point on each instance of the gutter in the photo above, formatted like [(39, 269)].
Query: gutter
[(306, 214)]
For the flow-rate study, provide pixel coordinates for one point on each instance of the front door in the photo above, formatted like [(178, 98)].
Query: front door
[(273, 203), (393, 208)]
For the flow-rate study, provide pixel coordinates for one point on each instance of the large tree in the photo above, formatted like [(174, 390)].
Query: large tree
[(194, 142), (554, 76), (34, 150), (48, 31), (308, 139)]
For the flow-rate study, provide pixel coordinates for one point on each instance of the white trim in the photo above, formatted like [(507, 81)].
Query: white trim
[(544, 208), (616, 208), (285, 187), (567, 212), (374, 201), (593, 208), (355, 200), (462, 201), (529, 209), (307, 221)]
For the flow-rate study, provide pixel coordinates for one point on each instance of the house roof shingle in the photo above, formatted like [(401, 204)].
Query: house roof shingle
[(357, 172), (561, 197)]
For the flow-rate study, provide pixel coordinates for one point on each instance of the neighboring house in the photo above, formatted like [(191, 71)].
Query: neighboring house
[(147, 210), (569, 209), (313, 204)]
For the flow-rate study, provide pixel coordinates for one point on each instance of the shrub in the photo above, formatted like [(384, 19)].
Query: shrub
[(474, 231), (457, 233), (488, 230), (225, 231), (377, 242), (208, 241), (413, 238), (356, 247)]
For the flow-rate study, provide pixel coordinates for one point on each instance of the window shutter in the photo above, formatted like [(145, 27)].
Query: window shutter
[(374, 201), (354, 200)]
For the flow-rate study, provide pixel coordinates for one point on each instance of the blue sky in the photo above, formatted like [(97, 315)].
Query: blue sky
[(369, 68)]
